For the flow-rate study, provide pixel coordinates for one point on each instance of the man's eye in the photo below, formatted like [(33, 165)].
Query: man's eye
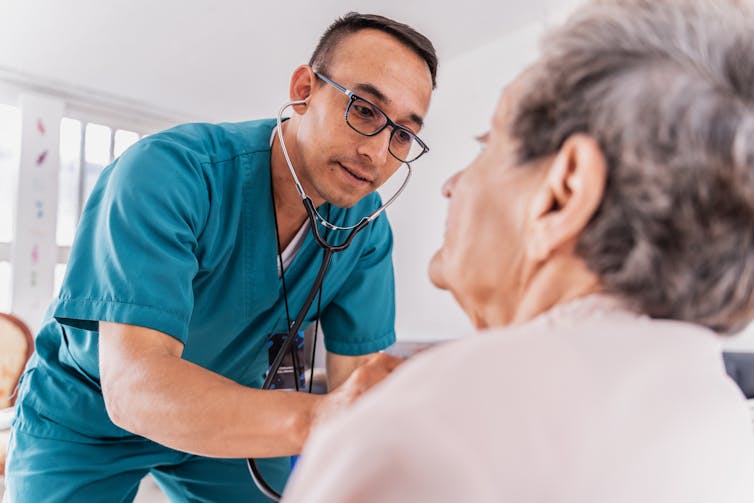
[(403, 137), (364, 111)]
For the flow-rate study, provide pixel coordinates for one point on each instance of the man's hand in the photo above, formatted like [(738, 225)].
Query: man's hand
[(371, 372)]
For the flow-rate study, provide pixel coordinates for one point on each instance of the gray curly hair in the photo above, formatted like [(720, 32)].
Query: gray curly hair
[(667, 89)]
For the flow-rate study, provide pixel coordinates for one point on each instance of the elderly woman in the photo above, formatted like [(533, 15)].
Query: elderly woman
[(602, 236)]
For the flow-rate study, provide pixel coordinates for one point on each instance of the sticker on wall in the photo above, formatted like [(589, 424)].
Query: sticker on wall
[(33, 255), (42, 157)]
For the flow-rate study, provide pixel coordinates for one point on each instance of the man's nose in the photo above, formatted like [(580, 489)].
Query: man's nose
[(376, 147)]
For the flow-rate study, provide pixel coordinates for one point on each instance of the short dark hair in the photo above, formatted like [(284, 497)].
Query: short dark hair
[(353, 22)]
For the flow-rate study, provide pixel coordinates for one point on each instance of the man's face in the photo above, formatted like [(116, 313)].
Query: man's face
[(340, 165), (488, 218)]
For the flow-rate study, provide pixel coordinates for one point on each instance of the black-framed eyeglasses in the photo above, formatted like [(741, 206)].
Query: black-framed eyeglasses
[(368, 119)]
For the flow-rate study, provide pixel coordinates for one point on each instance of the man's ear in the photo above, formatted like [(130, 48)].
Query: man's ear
[(572, 192), (302, 84)]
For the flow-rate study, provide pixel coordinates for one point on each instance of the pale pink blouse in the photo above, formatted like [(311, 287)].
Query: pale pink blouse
[(587, 403)]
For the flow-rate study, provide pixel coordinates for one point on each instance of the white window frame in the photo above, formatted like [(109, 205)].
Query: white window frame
[(88, 107)]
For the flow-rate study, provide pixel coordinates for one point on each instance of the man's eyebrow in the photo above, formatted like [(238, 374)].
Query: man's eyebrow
[(380, 96), (370, 89)]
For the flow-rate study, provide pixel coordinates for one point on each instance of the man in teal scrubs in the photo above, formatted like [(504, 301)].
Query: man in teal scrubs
[(153, 353)]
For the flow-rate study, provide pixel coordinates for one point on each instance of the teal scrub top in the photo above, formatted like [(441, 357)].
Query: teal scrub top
[(178, 235)]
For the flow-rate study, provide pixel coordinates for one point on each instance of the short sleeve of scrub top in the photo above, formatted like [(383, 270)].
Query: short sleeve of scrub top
[(370, 284), (135, 257)]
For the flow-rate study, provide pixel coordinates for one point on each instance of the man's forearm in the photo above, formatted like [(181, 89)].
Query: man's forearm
[(186, 407)]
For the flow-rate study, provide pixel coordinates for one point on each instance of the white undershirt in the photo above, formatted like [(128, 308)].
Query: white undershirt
[(295, 245)]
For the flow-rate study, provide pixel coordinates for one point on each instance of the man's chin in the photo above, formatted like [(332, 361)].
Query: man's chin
[(345, 201), (436, 274)]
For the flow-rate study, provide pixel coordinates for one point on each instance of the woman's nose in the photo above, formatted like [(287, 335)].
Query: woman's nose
[(447, 187)]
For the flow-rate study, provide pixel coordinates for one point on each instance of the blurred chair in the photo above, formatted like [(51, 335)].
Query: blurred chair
[(16, 346)]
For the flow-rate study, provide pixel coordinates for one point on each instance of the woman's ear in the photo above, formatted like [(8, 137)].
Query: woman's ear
[(301, 87), (572, 192)]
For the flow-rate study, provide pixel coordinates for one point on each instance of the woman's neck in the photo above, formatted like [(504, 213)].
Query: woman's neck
[(560, 279)]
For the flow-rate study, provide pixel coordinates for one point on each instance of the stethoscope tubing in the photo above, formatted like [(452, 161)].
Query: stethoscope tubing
[(296, 324), (329, 250)]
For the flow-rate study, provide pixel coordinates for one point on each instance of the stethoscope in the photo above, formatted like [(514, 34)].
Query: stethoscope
[(315, 219)]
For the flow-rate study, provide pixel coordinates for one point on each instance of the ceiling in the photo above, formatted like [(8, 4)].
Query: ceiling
[(212, 59)]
